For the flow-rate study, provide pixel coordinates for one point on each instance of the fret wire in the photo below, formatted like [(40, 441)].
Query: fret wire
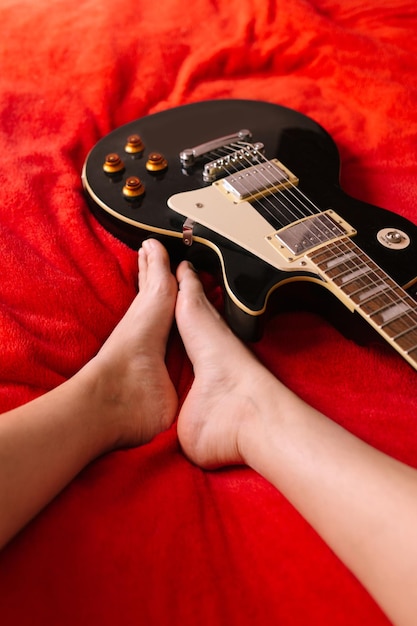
[(368, 263), (394, 319), (413, 349), (407, 346), (341, 247), (405, 316), (367, 273), (363, 273), (378, 286), (407, 341), (401, 325), (381, 295), (379, 306), (291, 190), (407, 330)]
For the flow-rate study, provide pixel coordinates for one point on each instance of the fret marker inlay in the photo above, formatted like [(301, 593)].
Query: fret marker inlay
[(369, 293), (375, 296), (394, 311), (340, 259), (356, 274)]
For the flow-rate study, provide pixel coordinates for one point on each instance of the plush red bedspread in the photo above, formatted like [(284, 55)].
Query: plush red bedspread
[(142, 536)]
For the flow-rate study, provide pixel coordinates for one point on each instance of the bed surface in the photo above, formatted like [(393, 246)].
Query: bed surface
[(142, 536)]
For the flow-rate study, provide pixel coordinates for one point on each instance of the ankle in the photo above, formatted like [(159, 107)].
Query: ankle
[(263, 411), (103, 405)]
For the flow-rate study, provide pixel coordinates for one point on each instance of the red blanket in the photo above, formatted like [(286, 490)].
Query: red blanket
[(142, 536)]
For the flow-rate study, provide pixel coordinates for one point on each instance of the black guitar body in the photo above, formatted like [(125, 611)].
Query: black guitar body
[(297, 141)]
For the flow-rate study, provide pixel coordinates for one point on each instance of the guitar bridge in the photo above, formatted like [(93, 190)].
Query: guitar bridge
[(236, 160)]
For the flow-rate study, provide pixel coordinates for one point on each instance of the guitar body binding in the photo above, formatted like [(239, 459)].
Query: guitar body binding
[(184, 138)]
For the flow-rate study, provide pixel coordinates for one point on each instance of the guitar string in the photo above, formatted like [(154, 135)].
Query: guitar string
[(269, 197), (370, 266), (404, 298), (264, 195)]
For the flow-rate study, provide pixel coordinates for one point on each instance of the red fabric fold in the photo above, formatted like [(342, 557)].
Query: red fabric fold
[(143, 536)]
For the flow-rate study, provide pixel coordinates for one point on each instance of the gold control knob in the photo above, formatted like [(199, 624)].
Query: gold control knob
[(156, 162), (113, 164), (134, 144), (133, 188)]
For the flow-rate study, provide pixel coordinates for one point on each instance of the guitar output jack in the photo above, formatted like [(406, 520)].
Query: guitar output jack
[(393, 238)]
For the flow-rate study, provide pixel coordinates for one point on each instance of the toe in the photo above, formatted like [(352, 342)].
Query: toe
[(154, 268)]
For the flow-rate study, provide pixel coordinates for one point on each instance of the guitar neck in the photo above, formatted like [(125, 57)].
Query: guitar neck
[(363, 286)]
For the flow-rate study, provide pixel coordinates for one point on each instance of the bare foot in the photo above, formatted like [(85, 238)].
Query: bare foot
[(223, 396), (132, 383)]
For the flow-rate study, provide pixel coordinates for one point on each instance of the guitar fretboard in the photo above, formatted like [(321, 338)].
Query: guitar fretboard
[(383, 303)]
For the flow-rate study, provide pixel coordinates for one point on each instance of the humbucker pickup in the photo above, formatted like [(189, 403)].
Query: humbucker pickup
[(257, 181), (296, 239)]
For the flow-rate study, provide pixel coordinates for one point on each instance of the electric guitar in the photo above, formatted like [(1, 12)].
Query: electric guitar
[(255, 187)]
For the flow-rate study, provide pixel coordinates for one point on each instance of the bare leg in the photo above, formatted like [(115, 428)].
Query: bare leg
[(227, 376), (122, 397), (361, 502), (129, 371)]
